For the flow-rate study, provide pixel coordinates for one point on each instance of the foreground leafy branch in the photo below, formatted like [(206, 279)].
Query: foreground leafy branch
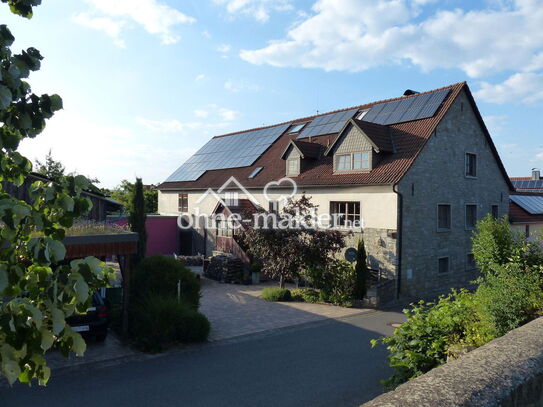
[(38, 287)]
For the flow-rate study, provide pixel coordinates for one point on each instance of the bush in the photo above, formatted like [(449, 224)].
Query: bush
[(158, 275), (276, 294), (159, 321), (336, 281), (305, 295), (361, 272), (509, 297)]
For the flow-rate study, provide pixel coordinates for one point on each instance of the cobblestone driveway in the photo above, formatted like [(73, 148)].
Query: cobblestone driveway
[(236, 310)]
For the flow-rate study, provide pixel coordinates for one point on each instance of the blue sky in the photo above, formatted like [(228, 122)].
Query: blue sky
[(145, 83)]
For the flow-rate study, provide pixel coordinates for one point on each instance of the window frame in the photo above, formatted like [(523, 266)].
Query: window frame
[(467, 168), (231, 198), (440, 229), (442, 273), (497, 214), (295, 129), (466, 226), (334, 209), (182, 203)]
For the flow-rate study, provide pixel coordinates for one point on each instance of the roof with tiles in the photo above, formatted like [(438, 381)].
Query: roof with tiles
[(409, 139)]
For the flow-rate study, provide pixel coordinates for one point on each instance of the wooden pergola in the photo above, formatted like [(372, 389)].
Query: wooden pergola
[(120, 245)]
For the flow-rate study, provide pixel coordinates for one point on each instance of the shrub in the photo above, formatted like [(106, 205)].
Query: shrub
[(509, 297), (159, 275), (360, 272), (159, 321), (422, 342), (305, 295), (336, 281), (276, 294)]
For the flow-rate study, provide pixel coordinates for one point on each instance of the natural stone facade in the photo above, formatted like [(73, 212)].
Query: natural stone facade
[(438, 177)]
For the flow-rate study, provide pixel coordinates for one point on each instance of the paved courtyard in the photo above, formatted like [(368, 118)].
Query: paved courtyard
[(236, 310)]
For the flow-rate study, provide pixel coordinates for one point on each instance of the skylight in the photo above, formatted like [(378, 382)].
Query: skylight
[(296, 128), (362, 114), (255, 172)]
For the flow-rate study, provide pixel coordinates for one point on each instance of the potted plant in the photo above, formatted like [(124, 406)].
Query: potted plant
[(255, 272)]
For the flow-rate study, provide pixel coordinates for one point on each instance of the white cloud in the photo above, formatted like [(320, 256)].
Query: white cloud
[(355, 35), (524, 87), (224, 48), (200, 77), (206, 34), (115, 153), (241, 85), (154, 16), (228, 114), (496, 124), (201, 113), (111, 27), (258, 9)]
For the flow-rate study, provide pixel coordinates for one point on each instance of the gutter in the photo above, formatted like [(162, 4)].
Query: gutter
[(399, 225)]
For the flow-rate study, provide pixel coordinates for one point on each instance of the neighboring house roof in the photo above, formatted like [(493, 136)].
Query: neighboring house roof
[(243, 208), (527, 184), (409, 140), (306, 149), (526, 208)]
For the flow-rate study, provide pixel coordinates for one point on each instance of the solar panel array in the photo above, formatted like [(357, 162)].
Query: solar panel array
[(238, 150), (407, 109), (528, 184), (531, 204), (327, 124)]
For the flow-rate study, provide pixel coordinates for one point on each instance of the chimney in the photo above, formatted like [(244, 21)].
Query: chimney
[(536, 174)]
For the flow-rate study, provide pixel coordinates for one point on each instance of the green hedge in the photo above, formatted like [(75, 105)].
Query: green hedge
[(276, 294), (305, 295)]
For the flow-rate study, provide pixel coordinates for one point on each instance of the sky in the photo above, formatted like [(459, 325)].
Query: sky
[(145, 83)]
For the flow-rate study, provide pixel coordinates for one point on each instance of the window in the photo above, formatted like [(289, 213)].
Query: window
[(361, 115), (361, 161), (345, 214), (273, 206), (443, 265), (444, 217), (471, 165), (470, 262), (354, 161), (344, 162), (495, 210), (231, 198), (255, 172), (183, 202), (296, 128), (293, 166), (471, 216)]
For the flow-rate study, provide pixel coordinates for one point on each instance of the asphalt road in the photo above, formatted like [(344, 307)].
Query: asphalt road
[(327, 363)]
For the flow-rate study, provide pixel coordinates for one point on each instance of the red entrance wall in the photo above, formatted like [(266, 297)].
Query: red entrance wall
[(162, 234)]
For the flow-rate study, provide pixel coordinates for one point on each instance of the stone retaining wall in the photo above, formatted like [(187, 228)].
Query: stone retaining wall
[(505, 372)]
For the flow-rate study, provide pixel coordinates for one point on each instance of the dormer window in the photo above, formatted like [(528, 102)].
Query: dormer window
[(293, 166), (353, 162)]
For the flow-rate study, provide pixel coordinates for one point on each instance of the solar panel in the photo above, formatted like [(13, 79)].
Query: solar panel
[(407, 109), (255, 172), (238, 150), (536, 184), (531, 204), (327, 124)]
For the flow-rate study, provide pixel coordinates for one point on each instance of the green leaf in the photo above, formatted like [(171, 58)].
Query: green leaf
[(3, 278), (11, 369), (56, 102), (59, 321), (81, 288), (56, 250), (79, 345), (47, 339), (5, 97)]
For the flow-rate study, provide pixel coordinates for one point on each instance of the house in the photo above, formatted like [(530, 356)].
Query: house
[(101, 204), (526, 205), (411, 175)]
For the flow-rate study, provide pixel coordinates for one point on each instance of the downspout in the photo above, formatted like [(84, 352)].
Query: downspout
[(399, 225)]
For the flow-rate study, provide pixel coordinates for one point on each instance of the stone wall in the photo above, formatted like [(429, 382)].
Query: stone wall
[(505, 372), (438, 177), (381, 249)]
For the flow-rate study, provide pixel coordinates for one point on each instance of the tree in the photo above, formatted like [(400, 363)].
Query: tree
[(137, 220), (285, 252), (52, 169), (124, 194), (38, 288), (361, 271)]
